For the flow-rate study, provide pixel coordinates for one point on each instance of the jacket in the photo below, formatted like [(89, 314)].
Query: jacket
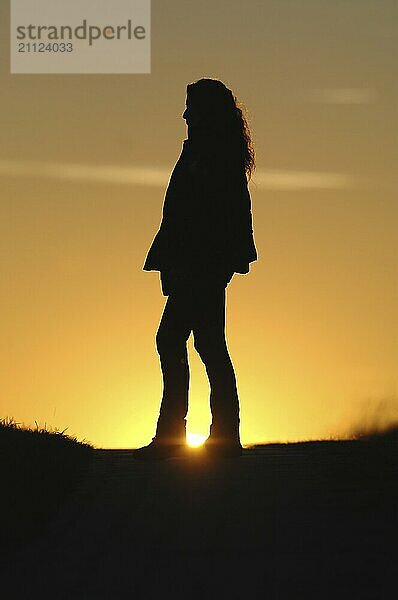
[(206, 226)]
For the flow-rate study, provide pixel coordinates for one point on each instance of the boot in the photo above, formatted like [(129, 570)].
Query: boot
[(169, 442), (223, 444), (160, 449)]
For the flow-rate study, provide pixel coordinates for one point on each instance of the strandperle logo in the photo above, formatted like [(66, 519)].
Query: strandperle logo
[(81, 32), (80, 36)]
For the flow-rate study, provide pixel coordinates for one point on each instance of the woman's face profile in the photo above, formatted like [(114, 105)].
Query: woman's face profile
[(193, 123), (186, 114)]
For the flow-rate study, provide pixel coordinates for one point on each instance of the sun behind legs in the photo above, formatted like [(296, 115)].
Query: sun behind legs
[(200, 308)]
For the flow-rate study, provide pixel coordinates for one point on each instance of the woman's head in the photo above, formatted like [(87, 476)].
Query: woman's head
[(216, 120)]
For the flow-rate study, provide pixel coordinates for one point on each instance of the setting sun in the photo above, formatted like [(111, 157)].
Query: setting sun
[(195, 439)]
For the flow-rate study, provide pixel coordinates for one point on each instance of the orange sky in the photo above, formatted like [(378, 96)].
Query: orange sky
[(84, 164)]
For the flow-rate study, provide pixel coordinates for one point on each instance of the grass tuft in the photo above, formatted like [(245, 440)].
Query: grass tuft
[(39, 468)]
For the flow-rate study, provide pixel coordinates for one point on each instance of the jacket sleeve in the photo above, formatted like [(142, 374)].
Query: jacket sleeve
[(243, 247), (224, 207)]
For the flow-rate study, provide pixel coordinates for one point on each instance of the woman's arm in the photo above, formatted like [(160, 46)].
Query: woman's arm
[(245, 250), (224, 195)]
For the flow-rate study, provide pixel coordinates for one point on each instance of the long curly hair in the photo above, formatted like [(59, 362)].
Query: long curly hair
[(219, 122)]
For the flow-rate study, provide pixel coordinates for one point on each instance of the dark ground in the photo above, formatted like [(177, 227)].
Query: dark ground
[(310, 520)]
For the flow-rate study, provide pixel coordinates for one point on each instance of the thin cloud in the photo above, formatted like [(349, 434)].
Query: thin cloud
[(343, 95), (149, 176), (300, 180), (159, 176)]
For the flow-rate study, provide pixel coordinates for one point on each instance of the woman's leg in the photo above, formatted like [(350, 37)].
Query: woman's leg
[(171, 342), (210, 343)]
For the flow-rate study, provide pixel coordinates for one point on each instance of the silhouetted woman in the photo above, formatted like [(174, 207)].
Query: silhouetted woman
[(204, 238)]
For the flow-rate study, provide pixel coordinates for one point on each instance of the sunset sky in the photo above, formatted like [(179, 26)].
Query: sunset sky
[(84, 163)]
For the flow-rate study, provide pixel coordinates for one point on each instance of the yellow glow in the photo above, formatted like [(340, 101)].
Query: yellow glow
[(195, 439)]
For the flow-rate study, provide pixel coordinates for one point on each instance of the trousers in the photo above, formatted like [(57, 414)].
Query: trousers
[(197, 307)]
